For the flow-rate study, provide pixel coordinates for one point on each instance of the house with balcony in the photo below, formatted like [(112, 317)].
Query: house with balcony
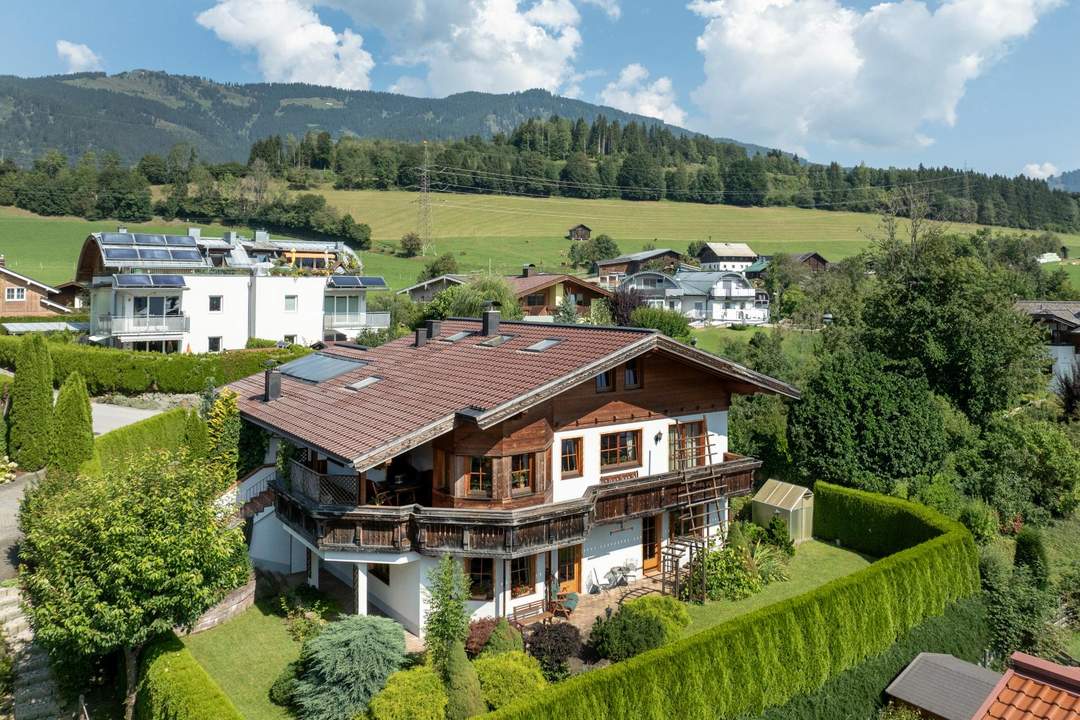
[(541, 456), (1061, 321), (610, 273), (541, 294), (724, 256), (186, 293), (708, 298)]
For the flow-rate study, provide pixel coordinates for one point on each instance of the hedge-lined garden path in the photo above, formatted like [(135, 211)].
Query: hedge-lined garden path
[(36, 696)]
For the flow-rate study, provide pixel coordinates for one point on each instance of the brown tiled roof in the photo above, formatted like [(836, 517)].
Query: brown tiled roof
[(525, 285), (1034, 689), (421, 389)]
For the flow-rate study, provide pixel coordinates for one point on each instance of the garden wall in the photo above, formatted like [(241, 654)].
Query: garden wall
[(175, 687), (791, 648), (131, 373), (232, 605)]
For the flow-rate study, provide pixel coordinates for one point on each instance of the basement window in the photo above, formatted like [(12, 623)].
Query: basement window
[(496, 341), (543, 345)]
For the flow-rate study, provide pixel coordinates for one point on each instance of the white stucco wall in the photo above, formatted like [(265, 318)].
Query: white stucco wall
[(230, 324), (268, 318), (1064, 357)]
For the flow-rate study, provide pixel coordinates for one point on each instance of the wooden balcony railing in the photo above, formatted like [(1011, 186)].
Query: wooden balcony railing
[(490, 533)]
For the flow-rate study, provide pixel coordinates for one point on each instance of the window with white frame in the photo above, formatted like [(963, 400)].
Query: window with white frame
[(15, 294), (213, 344), (291, 303)]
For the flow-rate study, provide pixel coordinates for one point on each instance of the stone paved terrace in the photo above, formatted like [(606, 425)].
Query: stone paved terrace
[(592, 606)]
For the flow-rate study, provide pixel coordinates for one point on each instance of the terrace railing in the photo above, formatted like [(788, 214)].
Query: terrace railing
[(347, 321), (141, 324)]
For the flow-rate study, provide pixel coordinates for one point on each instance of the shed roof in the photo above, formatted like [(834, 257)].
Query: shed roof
[(781, 494), (943, 685)]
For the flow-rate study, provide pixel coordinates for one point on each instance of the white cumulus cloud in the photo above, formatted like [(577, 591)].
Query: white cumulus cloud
[(787, 72), (611, 7), (633, 92), (77, 57), (1040, 171), (291, 42)]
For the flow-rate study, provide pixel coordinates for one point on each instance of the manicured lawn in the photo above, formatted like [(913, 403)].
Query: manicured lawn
[(798, 344), (244, 656), (815, 563)]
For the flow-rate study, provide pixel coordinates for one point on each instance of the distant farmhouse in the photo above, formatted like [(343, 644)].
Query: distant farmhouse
[(1062, 320), (704, 297), (816, 262), (579, 232), (425, 290), (735, 257), (22, 296), (612, 272)]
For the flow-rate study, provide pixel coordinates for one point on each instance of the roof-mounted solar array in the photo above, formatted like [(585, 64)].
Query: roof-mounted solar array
[(154, 254), (543, 345), (317, 367), (121, 253), (171, 281), (132, 281), (372, 281), (186, 255), (496, 341), (111, 238), (356, 281), (143, 239), (180, 241)]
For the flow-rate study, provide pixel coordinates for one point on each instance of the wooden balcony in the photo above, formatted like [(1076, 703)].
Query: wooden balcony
[(496, 533)]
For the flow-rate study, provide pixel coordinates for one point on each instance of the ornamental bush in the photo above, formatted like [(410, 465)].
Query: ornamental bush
[(980, 519), (345, 665), (479, 634), (281, 692), (669, 322), (416, 694), (727, 576), (73, 427), (1031, 553), (669, 612), (553, 646), (504, 638), (626, 634), (31, 415), (507, 677), (464, 697)]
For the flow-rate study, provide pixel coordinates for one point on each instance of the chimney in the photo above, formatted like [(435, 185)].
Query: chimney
[(491, 322), (271, 384), (528, 270), (232, 237), (121, 229), (434, 327), (195, 233), (3, 262), (421, 337), (262, 236)]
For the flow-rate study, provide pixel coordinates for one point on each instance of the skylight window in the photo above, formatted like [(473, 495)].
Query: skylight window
[(457, 336), (543, 345), (363, 383), (497, 340)]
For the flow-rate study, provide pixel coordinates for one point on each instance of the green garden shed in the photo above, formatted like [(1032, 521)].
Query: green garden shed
[(794, 503)]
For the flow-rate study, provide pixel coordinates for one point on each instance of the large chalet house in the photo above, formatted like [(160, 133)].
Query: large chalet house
[(1061, 320), (723, 298), (22, 296), (611, 272), (189, 293), (541, 456)]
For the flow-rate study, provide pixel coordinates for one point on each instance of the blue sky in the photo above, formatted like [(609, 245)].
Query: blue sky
[(986, 84)]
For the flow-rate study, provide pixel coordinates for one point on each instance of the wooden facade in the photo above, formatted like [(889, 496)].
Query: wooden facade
[(579, 232), (23, 297)]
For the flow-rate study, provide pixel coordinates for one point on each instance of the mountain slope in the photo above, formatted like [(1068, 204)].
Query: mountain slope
[(145, 111), (1067, 181)]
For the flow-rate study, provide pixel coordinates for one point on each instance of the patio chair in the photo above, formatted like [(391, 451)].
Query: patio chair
[(596, 587), (561, 604)]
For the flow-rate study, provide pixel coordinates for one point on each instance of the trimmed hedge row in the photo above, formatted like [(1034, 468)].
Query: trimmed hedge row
[(159, 432), (857, 693), (175, 687), (791, 648), (130, 373)]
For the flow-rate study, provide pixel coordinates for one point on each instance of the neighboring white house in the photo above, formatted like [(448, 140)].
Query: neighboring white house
[(733, 257), (1061, 319), (542, 456), (185, 293), (1048, 257), (704, 297)]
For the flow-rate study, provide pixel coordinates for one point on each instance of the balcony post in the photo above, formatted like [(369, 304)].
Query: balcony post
[(313, 570), (360, 583)]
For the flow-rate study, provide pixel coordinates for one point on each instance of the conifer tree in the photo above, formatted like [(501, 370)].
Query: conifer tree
[(73, 426), (196, 438), (223, 428), (31, 415)]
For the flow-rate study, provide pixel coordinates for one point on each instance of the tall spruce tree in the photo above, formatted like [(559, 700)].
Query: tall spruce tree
[(73, 426), (31, 415)]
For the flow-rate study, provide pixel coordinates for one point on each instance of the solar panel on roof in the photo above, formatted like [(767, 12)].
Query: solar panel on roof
[(543, 345), (154, 254), (111, 238), (186, 255), (168, 280), (318, 367), (121, 253), (344, 281), (132, 280), (180, 241), (372, 281), (143, 239)]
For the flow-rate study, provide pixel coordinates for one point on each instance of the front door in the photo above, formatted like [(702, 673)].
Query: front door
[(570, 569), (650, 542)]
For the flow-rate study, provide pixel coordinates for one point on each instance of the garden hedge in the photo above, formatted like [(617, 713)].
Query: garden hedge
[(174, 686), (130, 373), (164, 431), (768, 657)]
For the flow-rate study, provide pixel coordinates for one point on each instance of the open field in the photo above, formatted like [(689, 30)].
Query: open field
[(500, 233), (815, 563)]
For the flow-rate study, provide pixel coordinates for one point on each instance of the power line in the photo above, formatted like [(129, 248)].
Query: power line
[(424, 209)]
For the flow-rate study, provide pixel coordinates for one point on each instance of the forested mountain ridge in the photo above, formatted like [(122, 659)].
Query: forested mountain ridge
[(1067, 181), (141, 111)]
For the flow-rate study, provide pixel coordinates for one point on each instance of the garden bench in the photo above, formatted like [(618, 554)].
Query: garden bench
[(530, 613)]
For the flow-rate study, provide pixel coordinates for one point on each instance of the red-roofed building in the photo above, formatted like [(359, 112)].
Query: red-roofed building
[(542, 293), (1033, 689), (542, 455)]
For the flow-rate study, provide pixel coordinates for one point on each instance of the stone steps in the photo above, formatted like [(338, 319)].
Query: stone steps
[(36, 696)]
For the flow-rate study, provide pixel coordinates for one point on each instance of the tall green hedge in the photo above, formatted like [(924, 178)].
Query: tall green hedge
[(175, 687), (769, 656), (130, 373), (165, 431)]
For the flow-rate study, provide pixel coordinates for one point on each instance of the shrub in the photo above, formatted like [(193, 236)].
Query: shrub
[(346, 664), (479, 633), (507, 677), (670, 322), (416, 694), (778, 535), (671, 614), (175, 687), (259, 343), (305, 612), (196, 436), (73, 429), (281, 692), (1031, 553), (727, 576), (31, 414), (464, 697), (1069, 590), (766, 562), (553, 646), (504, 638), (980, 519), (626, 634)]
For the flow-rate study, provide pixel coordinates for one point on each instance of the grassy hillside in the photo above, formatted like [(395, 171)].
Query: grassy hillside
[(500, 233)]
